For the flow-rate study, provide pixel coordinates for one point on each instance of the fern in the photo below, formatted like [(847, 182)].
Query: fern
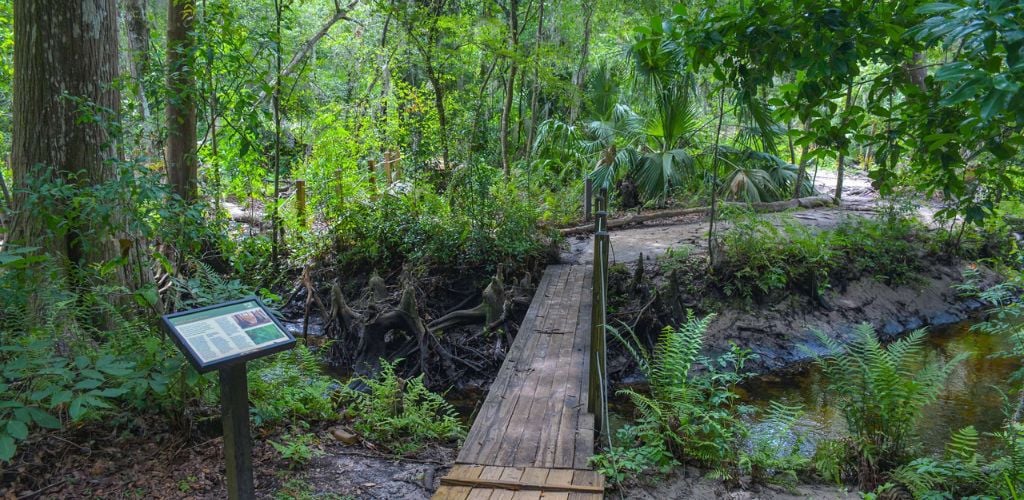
[(881, 391), (401, 414), (683, 416)]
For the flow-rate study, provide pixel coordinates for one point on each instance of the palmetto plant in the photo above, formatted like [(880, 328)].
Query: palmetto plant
[(881, 391)]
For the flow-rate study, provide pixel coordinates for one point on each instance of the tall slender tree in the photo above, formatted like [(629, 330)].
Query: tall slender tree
[(181, 159)]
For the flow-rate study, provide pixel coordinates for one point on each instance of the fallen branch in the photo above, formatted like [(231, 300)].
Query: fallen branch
[(777, 206)]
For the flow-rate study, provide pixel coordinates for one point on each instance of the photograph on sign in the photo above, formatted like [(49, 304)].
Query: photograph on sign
[(227, 331)]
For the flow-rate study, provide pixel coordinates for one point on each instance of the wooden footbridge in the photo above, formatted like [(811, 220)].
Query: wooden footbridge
[(535, 432)]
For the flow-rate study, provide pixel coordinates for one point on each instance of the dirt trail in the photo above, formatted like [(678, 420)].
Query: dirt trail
[(657, 237)]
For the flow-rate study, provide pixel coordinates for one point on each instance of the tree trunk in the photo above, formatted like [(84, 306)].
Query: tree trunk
[(580, 78), (535, 93), (840, 163), (139, 65), (442, 119), (512, 16), (182, 166), (65, 64), (801, 172)]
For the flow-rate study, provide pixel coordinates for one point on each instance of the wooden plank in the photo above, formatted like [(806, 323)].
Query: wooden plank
[(489, 420), (547, 376), (451, 493), (574, 401), (513, 474), (494, 472), (519, 415), (586, 478), (564, 397), (481, 494), (554, 495), (555, 299), (502, 495), (526, 495), (560, 476), (534, 475), (519, 485), (521, 447), (584, 441)]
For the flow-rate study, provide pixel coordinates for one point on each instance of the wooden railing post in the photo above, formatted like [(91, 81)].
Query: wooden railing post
[(588, 196), (598, 388), (300, 202)]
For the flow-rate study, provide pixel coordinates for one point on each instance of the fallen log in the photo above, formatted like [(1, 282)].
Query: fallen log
[(769, 207)]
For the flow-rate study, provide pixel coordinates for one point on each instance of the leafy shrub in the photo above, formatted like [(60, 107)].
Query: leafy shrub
[(479, 223), (761, 258), (881, 391), (401, 414)]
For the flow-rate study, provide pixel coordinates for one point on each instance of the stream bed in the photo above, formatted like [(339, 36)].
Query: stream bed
[(973, 395)]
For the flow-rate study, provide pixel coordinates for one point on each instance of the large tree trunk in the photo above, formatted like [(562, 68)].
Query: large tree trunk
[(182, 166), (65, 64)]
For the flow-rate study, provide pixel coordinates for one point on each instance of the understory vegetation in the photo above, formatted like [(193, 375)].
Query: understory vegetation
[(392, 177)]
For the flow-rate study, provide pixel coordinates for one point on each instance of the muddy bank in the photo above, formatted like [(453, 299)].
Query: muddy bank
[(689, 482), (782, 334)]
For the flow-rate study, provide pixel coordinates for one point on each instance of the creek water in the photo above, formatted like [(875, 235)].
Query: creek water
[(974, 394)]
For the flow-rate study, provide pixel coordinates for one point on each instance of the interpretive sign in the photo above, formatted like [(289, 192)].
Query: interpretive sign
[(227, 333), (223, 337)]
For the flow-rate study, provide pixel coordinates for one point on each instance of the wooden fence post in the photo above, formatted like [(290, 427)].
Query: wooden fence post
[(588, 196), (372, 166), (598, 389), (300, 202)]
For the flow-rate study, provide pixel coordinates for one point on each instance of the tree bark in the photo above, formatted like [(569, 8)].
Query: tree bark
[(512, 17), (182, 164), (140, 65), (535, 92), (580, 78), (65, 64), (840, 163)]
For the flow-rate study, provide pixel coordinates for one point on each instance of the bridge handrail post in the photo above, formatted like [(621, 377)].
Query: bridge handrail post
[(598, 388)]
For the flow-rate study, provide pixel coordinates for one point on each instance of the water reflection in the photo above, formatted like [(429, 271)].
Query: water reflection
[(973, 395)]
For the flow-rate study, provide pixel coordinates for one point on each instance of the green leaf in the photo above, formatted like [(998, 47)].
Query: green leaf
[(17, 429), (936, 8), (995, 103), (76, 411), (89, 383), (44, 419), (7, 448)]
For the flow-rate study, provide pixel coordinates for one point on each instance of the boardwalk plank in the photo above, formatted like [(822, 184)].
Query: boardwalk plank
[(490, 422), (534, 433)]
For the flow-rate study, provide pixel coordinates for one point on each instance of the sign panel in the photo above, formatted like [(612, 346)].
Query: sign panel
[(215, 336)]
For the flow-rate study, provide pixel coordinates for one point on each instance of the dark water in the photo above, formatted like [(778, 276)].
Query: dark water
[(973, 395)]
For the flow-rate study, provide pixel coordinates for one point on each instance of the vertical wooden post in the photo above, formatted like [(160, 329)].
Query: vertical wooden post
[(596, 397), (372, 166), (300, 201), (588, 196), (234, 400), (340, 189)]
